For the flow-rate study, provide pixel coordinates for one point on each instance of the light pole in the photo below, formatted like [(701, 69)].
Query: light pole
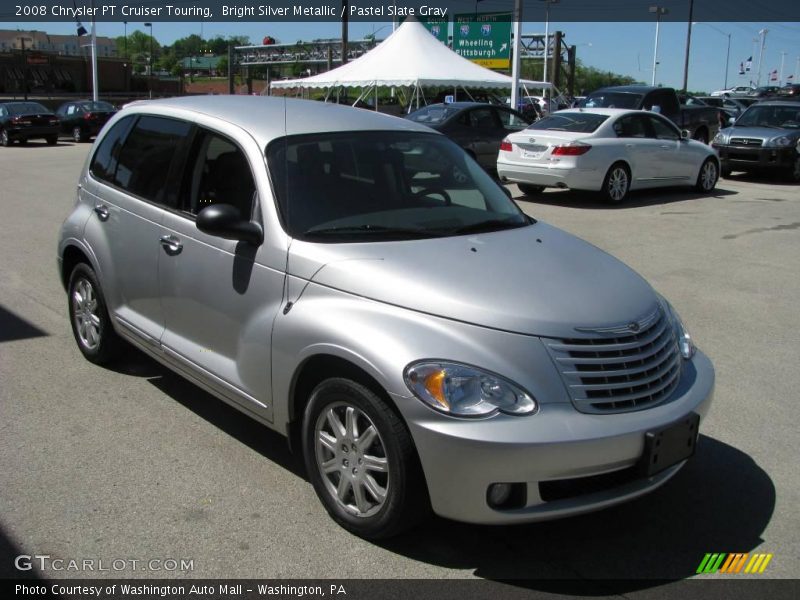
[(658, 11), (547, 38), (515, 58), (150, 61), (763, 35), (93, 47), (125, 29), (783, 58), (727, 54), (688, 47)]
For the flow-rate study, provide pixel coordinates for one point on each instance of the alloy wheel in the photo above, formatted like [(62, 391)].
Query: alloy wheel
[(708, 176), (85, 314), (351, 459), (618, 184)]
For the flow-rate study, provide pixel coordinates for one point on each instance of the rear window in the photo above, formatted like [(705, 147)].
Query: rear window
[(97, 106), (612, 100), (26, 108), (433, 114), (577, 122)]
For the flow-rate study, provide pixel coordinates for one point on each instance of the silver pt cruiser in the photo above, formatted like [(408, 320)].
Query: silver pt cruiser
[(359, 284)]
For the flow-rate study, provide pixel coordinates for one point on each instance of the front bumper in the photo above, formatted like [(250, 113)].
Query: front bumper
[(740, 158), (563, 175), (461, 458)]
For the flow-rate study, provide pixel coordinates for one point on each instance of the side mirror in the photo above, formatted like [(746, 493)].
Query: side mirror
[(685, 135), (732, 121), (225, 221)]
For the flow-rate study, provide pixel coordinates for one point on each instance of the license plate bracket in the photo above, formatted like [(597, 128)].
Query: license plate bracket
[(669, 445)]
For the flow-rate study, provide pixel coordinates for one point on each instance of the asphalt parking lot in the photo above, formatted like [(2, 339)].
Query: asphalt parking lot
[(135, 463)]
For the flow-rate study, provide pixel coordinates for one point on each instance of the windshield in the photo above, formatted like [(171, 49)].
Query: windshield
[(27, 108), (758, 115), (433, 114), (384, 185), (612, 100), (96, 106), (571, 121)]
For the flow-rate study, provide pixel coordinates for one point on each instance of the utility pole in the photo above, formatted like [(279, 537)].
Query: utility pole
[(688, 47), (515, 52), (763, 34), (658, 11), (783, 58), (345, 10)]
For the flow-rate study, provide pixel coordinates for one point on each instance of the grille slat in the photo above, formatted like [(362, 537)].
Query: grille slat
[(615, 371)]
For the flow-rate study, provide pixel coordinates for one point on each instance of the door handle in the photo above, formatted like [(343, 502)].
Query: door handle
[(171, 244), (102, 212), (629, 145), (665, 146)]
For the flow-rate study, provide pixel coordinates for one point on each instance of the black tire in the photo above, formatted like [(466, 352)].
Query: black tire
[(793, 173), (22, 141), (708, 176), (5, 140), (529, 189), (405, 500), (77, 135), (51, 140), (701, 135), (725, 171), (618, 175), (108, 344)]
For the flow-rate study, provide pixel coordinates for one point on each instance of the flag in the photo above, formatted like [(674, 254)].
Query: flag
[(748, 64), (773, 75), (741, 68), (789, 77)]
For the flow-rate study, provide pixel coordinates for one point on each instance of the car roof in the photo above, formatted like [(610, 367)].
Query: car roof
[(269, 117), (610, 112), (628, 89), (778, 102)]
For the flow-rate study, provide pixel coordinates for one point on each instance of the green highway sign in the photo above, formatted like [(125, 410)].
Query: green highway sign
[(483, 38), (438, 27)]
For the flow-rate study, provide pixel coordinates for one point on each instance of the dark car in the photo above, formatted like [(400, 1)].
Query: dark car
[(83, 119), (765, 91), (789, 91), (477, 128), (765, 137), (21, 121)]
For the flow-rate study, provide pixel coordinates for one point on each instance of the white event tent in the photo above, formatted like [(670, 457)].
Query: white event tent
[(409, 58)]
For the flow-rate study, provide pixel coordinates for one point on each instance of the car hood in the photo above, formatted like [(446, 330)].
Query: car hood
[(535, 280), (764, 133)]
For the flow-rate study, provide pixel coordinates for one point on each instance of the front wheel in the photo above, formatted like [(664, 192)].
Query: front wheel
[(361, 460), (91, 325), (5, 140), (78, 135), (51, 140), (793, 173), (529, 189), (708, 176), (616, 184)]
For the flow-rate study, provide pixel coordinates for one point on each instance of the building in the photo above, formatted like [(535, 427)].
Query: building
[(201, 66), (64, 45)]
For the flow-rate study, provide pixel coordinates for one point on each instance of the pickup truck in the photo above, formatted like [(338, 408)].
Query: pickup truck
[(702, 122)]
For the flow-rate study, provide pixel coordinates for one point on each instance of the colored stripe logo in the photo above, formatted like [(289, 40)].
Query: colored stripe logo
[(734, 563)]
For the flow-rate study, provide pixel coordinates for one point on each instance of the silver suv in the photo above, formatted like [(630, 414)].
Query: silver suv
[(359, 284)]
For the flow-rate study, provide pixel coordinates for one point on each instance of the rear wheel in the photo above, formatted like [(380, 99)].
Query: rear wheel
[(91, 325), (361, 460), (617, 183), (529, 189), (708, 176), (5, 140)]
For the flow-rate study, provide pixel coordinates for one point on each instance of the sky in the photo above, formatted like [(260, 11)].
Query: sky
[(630, 53)]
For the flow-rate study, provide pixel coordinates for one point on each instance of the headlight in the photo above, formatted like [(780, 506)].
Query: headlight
[(465, 391), (780, 142), (719, 138), (685, 343)]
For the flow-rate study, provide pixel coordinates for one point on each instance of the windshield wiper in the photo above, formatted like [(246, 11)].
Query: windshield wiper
[(492, 225), (370, 229)]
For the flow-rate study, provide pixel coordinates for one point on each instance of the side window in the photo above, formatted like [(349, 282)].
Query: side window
[(481, 118), (663, 131), (630, 127), (146, 156), (104, 161), (511, 121), (220, 174), (71, 109), (3, 111)]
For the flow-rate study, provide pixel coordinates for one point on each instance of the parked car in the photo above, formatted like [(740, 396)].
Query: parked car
[(702, 122), (84, 119), (422, 341), (764, 137), (764, 91), (737, 105), (789, 91), (606, 150), (22, 121), (477, 128), (739, 90)]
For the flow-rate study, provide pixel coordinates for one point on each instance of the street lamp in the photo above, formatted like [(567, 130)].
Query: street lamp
[(125, 24), (93, 45), (727, 54), (547, 36), (658, 11), (150, 61)]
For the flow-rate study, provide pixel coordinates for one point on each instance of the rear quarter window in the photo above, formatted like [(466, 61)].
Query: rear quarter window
[(104, 161)]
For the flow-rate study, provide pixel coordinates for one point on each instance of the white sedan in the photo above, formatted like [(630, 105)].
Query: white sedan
[(608, 150)]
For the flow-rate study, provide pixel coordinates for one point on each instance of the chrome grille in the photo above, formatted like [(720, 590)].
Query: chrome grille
[(750, 142), (617, 370)]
